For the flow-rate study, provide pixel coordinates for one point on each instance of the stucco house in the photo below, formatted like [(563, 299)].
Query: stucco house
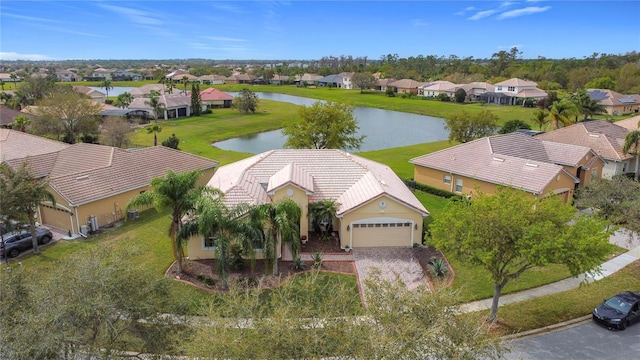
[(211, 79), (175, 106), (406, 86), (8, 115), (438, 87), (614, 102), (67, 75), (516, 160), (93, 94), (509, 92), (214, 98), (307, 79), (375, 208), (475, 89), (604, 138), (93, 183), (145, 90)]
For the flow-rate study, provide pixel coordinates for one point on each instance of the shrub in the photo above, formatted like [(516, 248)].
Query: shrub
[(443, 97), (235, 257), (390, 93), (460, 95), (412, 184), (172, 142), (298, 264), (439, 267), (317, 259)]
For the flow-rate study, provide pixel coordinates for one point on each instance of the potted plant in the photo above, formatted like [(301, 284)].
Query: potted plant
[(303, 239), (347, 248)]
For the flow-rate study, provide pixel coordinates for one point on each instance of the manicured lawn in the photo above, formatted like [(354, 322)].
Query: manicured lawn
[(567, 305)]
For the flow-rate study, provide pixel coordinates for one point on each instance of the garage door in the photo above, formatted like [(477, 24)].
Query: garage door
[(393, 233), (56, 217)]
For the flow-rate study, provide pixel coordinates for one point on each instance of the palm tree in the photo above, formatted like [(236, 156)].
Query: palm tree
[(322, 214), (541, 118), (225, 226), (632, 144), (281, 222), (106, 85), (124, 100), (154, 129), (185, 82), (21, 122), (586, 105), (561, 113), (177, 192), (22, 194)]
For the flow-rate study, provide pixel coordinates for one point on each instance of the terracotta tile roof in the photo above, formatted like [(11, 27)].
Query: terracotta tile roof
[(16, 145), (212, 94), (531, 93), (170, 101), (478, 85), (632, 123), (7, 115), (604, 138), (328, 174), (439, 86), (514, 159)]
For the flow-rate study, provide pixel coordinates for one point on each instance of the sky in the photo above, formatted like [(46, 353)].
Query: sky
[(308, 30)]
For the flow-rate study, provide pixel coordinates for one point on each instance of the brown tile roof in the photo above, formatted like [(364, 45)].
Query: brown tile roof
[(324, 174), (7, 115), (440, 85), (145, 90), (406, 84), (604, 138), (513, 159), (87, 90), (16, 145), (632, 123), (124, 170)]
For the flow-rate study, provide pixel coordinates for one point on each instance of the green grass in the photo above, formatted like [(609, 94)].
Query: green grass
[(552, 309)]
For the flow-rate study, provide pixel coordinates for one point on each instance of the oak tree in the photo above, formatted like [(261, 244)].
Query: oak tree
[(464, 126)]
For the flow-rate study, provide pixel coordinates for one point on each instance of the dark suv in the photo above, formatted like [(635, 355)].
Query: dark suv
[(18, 241)]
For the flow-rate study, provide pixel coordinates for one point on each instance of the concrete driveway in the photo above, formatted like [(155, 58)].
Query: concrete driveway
[(393, 263)]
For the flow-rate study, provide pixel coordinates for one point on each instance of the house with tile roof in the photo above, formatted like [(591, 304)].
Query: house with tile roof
[(307, 79), (406, 86), (512, 91), (211, 79), (214, 98), (96, 95), (438, 87), (8, 115), (93, 183), (604, 138), (614, 102), (375, 208), (145, 90), (175, 106), (515, 160), (632, 123)]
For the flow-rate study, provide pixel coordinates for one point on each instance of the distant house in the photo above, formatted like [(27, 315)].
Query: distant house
[(124, 75), (6, 77), (239, 79), (512, 91), (632, 123), (616, 103), (375, 208), (382, 84), (8, 115), (179, 77), (94, 94), (307, 79), (175, 106), (102, 73), (214, 98), (604, 138), (435, 88), (475, 90), (279, 79), (515, 160), (406, 86), (334, 80), (145, 90), (92, 184), (67, 76), (211, 79)]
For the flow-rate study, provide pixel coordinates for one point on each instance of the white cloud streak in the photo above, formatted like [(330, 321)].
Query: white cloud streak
[(9, 56), (137, 16), (523, 12), (482, 14)]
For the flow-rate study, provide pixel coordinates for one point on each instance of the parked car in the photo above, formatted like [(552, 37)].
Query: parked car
[(619, 311), (19, 241)]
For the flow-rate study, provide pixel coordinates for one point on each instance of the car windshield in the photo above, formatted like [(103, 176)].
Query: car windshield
[(618, 304)]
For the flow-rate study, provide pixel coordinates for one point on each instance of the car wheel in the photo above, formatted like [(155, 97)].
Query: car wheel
[(45, 239), (13, 253), (623, 325)]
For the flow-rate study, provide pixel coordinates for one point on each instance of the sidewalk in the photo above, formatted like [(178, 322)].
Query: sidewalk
[(606, 268)]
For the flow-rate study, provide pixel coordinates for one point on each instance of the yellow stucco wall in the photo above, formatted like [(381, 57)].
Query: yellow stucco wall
[(435, 178), (393, 209)]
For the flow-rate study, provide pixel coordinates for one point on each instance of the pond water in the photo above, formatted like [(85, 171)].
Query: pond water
[(382, 129), (115, 91)]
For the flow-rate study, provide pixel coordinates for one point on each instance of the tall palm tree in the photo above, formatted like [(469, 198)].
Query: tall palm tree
[(632, 144), (586, 105), (562, 112), (541, 118), (22, 194), (154, 129), (155, 103), (177, 192), (21, 122), (106, 85), (226, 226), (185, 82), (282, 226)]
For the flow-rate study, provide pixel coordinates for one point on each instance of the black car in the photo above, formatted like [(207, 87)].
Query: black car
[(18, 241), (619, 311)]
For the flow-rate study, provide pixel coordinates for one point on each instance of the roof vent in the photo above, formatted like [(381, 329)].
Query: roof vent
[(498, 159), (594, 135), (82, 177), (532, 165), (383, 183)]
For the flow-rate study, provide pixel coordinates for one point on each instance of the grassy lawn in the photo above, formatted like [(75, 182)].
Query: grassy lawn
[(567, 305)]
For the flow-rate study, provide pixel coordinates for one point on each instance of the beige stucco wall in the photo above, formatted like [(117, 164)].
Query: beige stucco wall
[(435, 178), (372, 211)]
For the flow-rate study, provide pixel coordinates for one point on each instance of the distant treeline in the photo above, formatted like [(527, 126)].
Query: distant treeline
[(604, 71)]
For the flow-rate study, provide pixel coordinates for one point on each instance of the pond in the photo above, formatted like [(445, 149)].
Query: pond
[(115, 91), (382, 129)]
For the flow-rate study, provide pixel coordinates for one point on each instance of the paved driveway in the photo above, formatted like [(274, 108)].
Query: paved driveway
[(392, 263)]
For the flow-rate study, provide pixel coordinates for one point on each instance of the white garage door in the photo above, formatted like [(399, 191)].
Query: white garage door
[(392, 233)]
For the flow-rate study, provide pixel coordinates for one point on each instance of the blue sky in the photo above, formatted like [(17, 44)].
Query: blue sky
[(295, 29)]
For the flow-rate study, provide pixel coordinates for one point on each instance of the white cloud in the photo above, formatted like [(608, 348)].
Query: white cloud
[(16, 56), (136, 16), (522, 12), (222, 38), (461, 12), (482, 14), (419, 23), (30, 18)]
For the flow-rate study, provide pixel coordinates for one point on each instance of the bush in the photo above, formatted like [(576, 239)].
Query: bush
[(460, 95), (172, 142), (235, 257), (443, 97), (317, 259), (412, 184), (389, 92), (439, 267), (298, 264)]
